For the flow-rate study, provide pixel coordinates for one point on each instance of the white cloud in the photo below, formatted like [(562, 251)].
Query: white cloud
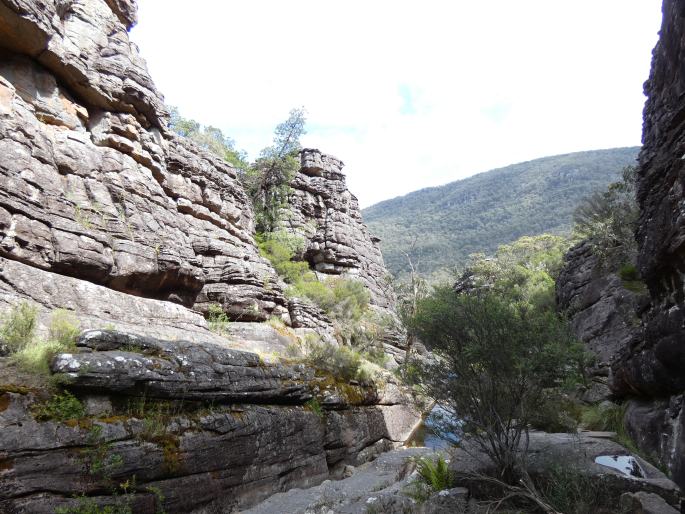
[(409, 94)]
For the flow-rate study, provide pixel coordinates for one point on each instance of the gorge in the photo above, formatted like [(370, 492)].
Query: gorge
[(182, 374)]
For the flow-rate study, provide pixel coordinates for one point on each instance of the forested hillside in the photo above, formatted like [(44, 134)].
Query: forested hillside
[(442, 226)]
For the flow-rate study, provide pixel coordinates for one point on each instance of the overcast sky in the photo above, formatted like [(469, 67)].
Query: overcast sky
[(408, 94)]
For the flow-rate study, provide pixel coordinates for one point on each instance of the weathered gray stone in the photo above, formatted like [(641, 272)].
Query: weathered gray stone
[(236, 456), (658, 428), (124, 206), (84, 44), (129, 364), (652, 367), (602, 312), (350, 431), (645, 503), (377, 484), (323, 211)]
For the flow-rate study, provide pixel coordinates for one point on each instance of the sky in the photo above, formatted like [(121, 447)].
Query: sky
[(408, 94)]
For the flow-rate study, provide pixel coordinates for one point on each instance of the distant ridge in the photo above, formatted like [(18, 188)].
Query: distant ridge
[(479, 213)]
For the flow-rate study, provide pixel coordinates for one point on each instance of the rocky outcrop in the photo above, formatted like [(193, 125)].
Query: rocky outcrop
[(604, 314), (106, 213), (196, 427), (652, 367), (95, 195), (131, 364), (225, 455), (327, 215)]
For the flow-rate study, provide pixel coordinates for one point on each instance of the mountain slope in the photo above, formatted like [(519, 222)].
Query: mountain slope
[(479, 213)]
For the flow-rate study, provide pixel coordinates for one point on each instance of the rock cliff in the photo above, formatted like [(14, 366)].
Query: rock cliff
[(327, 215), (647, 360), (604, 314), (106, 213), (337, 242)]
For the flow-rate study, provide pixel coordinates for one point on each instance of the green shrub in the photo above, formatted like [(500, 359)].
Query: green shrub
[(318, 292), (314, 406), (61, 407), (19, 326), (341, 361), (603, 417), (435, 473), (629, 272), (217, 318), (493, 353), (570, 491), (608, 221), (36, 356), (350, 300), (64, 328)]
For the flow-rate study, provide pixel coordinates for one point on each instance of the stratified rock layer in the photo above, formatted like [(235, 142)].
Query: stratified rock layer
[(324, 211), (653, 367), (106, 213)]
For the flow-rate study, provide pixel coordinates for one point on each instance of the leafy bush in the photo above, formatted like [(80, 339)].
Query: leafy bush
[(342, 361), (496, 365), (217, 318), (629, 272), (61, 407), (18, 332), (609, 417), (280, 248), (350, 300), (36, 356), (435, 473), (19, 326), (523, 271), (314, 406), (64, 328), (608, 221)]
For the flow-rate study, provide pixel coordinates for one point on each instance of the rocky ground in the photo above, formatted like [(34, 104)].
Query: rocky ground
[(388, 484)]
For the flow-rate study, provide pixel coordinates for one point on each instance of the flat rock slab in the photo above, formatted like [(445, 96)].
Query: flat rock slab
[(120, 362)]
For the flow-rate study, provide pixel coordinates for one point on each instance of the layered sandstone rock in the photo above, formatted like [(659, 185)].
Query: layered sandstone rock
[(337, 242), (94, 195), (323, 210), (106, 213), (198, 424)]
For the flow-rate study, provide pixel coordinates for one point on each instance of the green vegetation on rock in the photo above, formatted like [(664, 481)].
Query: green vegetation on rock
[(267, 180), (207, 137), (441, 226), (29, 352)]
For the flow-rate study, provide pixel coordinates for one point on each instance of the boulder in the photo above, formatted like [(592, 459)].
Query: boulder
[(645, 503)]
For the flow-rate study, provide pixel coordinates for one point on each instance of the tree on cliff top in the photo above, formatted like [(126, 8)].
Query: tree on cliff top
[(268, 179), (609, 219), (208, 137)]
